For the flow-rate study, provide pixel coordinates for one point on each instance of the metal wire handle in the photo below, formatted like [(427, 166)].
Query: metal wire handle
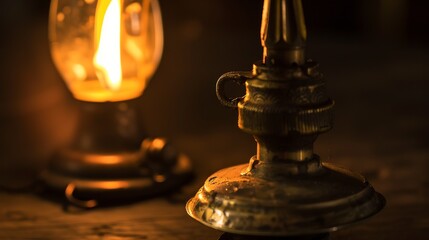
[(236, 77), (71, 187)]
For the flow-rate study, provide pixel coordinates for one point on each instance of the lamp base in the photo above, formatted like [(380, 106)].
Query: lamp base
[(88, 179), (294, 199)]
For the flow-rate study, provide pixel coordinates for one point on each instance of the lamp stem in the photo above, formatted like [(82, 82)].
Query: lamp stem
[(283, 32), (108, 127)]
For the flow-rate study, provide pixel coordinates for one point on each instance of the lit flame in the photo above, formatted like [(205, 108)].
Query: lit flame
[(107, 38)]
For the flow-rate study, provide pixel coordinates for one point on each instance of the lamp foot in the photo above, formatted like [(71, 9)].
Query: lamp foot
[(245, 200), (87, 179)]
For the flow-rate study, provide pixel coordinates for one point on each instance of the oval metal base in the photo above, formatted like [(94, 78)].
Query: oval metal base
[(85, 178), (294, 199)]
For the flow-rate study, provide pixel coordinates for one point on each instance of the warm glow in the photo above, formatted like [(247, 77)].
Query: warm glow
[(103, 159), (107, 59), (106, 50)]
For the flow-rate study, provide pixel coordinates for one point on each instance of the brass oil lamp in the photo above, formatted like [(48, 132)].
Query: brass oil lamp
[(106, 51), (285, 190)]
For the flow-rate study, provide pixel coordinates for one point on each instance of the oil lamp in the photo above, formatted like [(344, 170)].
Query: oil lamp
[(106, 51), (285, 190)]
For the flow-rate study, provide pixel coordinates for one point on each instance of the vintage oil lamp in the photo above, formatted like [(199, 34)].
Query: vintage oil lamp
[(106, 51), (285, 190)]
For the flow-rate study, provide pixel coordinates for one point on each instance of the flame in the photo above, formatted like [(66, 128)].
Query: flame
[(107, 38)]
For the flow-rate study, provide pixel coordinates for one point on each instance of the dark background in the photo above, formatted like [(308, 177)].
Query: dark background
[(374, 55)]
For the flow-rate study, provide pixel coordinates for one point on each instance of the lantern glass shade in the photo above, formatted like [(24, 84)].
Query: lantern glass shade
[(106, 50)]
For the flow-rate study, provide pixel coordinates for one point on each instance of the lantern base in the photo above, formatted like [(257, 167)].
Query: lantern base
[(284, 199), (90, 179)]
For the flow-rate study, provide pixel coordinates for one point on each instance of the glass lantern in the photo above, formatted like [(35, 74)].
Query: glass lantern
[(106, 51)]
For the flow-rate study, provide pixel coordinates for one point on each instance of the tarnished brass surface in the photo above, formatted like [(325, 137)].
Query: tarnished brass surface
[(275, 199), (285, 190)]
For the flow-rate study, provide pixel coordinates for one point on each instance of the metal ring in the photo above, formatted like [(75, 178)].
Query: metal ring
[(77, 202)]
